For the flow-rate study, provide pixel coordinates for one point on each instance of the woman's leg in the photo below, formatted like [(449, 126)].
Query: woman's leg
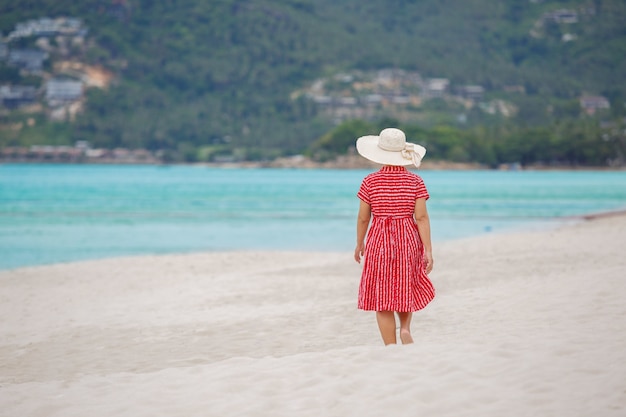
[(405, 327), (387, 326)]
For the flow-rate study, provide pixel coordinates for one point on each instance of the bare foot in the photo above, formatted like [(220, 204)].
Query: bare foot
[(405, 336)]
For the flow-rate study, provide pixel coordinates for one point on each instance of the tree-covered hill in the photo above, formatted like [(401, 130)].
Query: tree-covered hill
[(219, 74)]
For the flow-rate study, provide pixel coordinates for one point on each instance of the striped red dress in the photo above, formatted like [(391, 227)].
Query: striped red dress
[(393, 276)]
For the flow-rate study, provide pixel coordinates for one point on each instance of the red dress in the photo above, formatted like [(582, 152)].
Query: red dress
[(393, 276)]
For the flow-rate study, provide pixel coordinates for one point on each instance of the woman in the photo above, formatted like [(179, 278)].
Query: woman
[(398, 251)]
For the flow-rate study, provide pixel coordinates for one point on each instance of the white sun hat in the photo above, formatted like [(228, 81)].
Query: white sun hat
[(390, 148)]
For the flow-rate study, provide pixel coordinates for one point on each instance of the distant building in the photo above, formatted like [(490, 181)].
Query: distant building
[(14, 96), (437, 87), (47, 27), (28, 59), (4, 51), (413, 78), (568, 37), (561, 16), (372, 99), (63, 91), (515, 89), (385, 77), (54, 153), (590, 104), (347, 101), (83, 145), (472, 92), (323, 100), (401, 99)]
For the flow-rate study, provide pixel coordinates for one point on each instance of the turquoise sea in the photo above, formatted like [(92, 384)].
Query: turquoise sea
[(59, 213)]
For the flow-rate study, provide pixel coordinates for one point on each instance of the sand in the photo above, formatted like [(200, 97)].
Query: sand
[(525, 324)]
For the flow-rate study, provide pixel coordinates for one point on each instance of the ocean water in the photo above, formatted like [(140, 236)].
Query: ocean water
[(60, 213)]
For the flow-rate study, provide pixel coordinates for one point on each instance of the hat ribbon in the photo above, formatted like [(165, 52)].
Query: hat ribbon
[(409, 153)]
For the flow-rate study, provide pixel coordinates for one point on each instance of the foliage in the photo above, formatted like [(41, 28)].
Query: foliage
[(568, 144), (197, 74), (340, 139)]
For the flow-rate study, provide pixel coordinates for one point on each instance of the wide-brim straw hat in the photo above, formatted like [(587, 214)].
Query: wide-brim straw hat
[(390, 148)]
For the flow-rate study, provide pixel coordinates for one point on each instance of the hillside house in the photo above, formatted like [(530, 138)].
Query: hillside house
[(322, 100), (372, 99), (28, 59), (387, 78), (561, 16), (400, 99), (14, 96), (413, 78), (347, 101), (472, 92), (591, 104), (568, 37), (47, 27), (60, 91), (394, 78), (436, 87)]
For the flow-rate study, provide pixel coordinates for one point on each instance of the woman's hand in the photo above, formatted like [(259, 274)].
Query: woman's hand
[(362, 223), (428, 259), (358, 252)]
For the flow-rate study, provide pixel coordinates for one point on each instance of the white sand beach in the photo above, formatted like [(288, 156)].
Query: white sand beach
[(525, 324)]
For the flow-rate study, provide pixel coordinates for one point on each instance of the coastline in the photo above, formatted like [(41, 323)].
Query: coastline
[(546, 226), (341, 162), (295, 162), (515, 329), (602, 214)]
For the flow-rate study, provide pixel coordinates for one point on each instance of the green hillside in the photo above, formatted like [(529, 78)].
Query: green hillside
[(219, 75)]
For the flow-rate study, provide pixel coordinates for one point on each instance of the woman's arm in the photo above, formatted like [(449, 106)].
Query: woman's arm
[(362, 222), (423, 226)]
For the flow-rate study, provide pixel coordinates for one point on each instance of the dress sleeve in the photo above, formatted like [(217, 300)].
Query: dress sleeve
[(421, 192), (364, 193)]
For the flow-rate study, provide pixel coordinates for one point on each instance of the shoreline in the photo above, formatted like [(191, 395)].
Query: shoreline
[(602, 215), (342, 163), (555, 224)]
